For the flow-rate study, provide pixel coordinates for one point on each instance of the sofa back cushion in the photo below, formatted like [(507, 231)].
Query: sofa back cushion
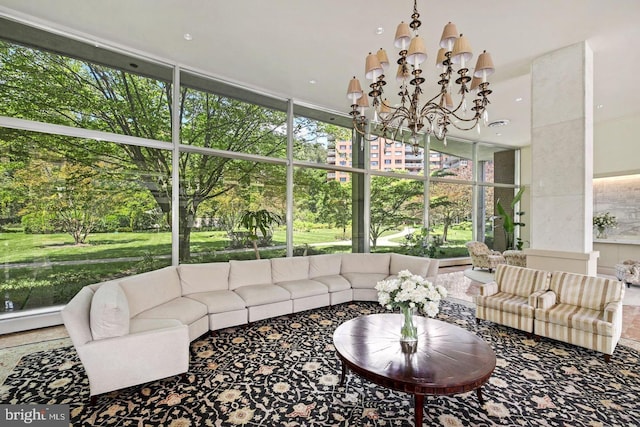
[(109, 315), (213, 276), (247, 273), (290, 268), (521, 281), (585, 291), (148, 290), (365, 263), (324, 265), (417, 265)]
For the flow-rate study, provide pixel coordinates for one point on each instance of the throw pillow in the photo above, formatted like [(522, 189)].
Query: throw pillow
[(109, 316)]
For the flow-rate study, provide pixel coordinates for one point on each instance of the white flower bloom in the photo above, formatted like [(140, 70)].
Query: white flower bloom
[(410, 290)]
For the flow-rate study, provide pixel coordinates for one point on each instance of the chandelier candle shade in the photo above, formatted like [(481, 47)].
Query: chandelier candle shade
[(413, 114), (410, 292)]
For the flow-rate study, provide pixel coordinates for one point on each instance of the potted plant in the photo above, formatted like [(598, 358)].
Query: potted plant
[(509, 223), (261, 220)]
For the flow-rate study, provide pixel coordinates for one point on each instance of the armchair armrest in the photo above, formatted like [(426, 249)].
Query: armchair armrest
[(533, 298), (489, 289), (547, 300), (612, 310)]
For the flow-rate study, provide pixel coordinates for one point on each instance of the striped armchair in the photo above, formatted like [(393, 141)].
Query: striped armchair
[(581, 310), (511, 299), (483, 257)]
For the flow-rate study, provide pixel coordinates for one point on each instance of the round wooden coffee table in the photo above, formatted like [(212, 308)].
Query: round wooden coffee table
[(446, 359)]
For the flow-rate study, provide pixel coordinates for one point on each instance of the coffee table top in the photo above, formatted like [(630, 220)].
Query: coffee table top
[(447, 359)]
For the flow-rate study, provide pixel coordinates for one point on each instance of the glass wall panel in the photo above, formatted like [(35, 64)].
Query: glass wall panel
[(450, 218), (52, 88), (75, 212), (487, 221), (320, 142), (215, 194), (396, 211), (389, 155), (453, 161), (322, 213), (215, 121)]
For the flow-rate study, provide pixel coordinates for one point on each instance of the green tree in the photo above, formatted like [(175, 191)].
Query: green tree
[(259, 221), (336, 205), (75, 197), (55, 89), (394, 202)]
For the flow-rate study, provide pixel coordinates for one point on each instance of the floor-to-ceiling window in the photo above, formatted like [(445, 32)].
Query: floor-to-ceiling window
[(97, 184)]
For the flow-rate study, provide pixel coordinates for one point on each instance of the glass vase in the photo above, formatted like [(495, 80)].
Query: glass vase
[(409, 331), (601, 233)]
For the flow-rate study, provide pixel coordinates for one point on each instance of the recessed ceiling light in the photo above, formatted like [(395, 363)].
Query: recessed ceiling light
[(600, 106), (188, 36), (312, 81), (498, 134), (379, 30), (519, 99)]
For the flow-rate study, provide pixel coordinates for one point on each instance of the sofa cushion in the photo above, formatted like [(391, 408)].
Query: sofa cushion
[(521, 281), (507, 303), (364, 280), (290, 268), (580, 318), (186, 310), (335, 283), (365, 263), (109, 315), (416, 265), (148, 290), (144, 325), (262, 294), (247, 273), (219, 301), (304, 288), (204, 277), (324, 265), (585, 291)]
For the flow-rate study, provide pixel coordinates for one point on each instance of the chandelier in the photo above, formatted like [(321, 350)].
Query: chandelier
[(413, 114)]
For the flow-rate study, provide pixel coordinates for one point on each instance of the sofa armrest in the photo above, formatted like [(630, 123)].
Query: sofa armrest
[(114, 363), (611, 311), (492, 252), (546, 300), (489, 289), (533, 298)]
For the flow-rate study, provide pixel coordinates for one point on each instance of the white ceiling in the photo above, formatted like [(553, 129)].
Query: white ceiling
[(279, 46)]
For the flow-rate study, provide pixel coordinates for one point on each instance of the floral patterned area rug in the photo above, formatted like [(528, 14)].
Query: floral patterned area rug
[(284, 372)]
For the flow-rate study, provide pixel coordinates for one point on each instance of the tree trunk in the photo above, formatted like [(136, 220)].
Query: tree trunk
[(255, 247), (185, 224)]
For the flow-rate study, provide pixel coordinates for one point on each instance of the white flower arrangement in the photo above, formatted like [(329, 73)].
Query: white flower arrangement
[(412, 291), (605, 220)]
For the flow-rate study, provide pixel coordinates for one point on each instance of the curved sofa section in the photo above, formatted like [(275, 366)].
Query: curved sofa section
[(138, 329)]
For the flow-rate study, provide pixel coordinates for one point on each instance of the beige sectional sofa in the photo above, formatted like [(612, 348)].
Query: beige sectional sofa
[(573, 308), (138, 329)]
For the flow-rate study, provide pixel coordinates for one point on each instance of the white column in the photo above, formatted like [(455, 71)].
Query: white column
[(562, 161)]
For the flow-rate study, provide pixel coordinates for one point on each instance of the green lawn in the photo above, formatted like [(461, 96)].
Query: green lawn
[(114, 255)]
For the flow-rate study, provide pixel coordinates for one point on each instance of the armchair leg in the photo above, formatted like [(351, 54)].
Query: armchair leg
[(477, 321), (607, 358)]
